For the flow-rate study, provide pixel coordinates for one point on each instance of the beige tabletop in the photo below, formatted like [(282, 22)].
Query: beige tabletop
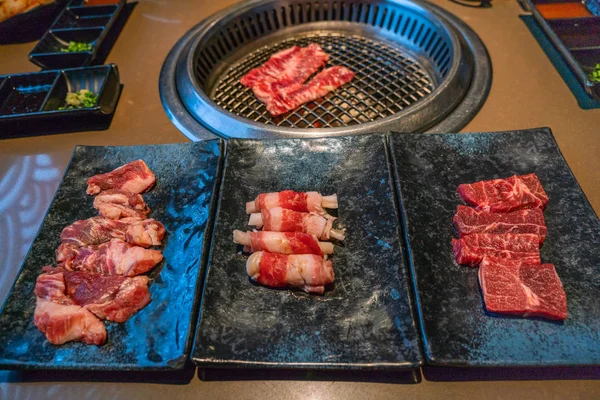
[(526, 92)]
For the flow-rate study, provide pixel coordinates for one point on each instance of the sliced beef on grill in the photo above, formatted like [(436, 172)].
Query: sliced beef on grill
[(468, 221), (111, 258), (471, 249), (324, 82), (115, 298), (134, 177), (59, 318), (97, 230), (116, 204), (279, 83), (504, 195), (511, 287)]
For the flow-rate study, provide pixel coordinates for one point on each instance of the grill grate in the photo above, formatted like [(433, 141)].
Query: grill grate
[(386, 81)]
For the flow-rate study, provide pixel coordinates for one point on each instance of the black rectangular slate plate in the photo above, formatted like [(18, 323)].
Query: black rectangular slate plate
[(160, 335), (366, 321), (455, 326)]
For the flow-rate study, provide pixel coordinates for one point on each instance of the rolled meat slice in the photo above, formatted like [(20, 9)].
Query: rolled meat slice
[(296, 201), (282, 242), (281, 220), (306, 271)]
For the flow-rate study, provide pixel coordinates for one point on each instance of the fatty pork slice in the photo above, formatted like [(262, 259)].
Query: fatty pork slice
[(514, 288), (296, 201), (282, 242), (306, 271), (504, 195), (281, 220), (59, 318), (471, 249), (469, 221), (114, 298), (134, 177), (116, 204), (98, 230), (111, 258)]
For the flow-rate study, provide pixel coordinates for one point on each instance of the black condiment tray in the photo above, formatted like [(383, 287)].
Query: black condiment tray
[(78, 23), (578, 41), (29, 103)]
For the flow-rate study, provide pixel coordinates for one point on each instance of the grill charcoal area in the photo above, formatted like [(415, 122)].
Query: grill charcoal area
[(386, 81), (417, 69)]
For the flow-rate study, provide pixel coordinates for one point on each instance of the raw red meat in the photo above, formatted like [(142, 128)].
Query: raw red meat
[(111, 258), (281, 220), (291, 200), (324, 82), (286, 68), (115, 298), (116, 204), (468, 221), (471, 249), (57, 317), (279, 82), (282, 242), (134, 177), (307, 271), (503, 195), (97, 230), (510, 287)]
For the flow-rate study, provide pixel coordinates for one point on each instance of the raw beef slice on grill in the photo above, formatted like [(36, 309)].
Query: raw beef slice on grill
[(503, 195), (511, 287), (279, 83), (468, 221), (471, 249)]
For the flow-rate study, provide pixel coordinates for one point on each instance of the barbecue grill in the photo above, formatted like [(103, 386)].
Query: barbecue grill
[(417, 69)]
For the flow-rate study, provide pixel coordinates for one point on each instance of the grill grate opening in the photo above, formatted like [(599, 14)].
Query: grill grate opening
[(386, 81)]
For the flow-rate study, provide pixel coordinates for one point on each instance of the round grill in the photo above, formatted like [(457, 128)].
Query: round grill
[(412, 68), (386, 81)]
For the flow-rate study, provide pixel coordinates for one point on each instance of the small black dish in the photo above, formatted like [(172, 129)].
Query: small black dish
[(30, 25), (77, 23), (29, 103)]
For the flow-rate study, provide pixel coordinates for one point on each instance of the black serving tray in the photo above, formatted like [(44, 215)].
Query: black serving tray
[(30, 25), (29, 102), (365, 321), (158, 337), (456, 328), (577, 40), (78, 23)]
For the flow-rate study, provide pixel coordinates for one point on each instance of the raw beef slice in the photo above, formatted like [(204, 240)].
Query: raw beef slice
[(468, 220), (504, 195), (471, 249), (510, 287)]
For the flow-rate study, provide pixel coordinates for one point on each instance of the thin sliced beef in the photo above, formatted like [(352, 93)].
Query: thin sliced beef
[(98, 230), (511, 287), (115, 298), (116, 204), (468, 221), (471, 249), (111, 258), (279, 83), (134, 177), (504, 195), (59, 318)]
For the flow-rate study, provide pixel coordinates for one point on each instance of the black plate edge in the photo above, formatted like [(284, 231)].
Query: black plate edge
[(442, 362), (213, 363), (180, 363)]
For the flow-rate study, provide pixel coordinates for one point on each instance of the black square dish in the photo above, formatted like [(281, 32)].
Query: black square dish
[(158, 337), (366, 320), (30, 104), (456, 328)]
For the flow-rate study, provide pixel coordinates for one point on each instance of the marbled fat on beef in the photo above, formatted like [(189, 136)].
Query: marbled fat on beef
[(468, 221), (134, 177), (471, 249), (116, 204), (516, 288)]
